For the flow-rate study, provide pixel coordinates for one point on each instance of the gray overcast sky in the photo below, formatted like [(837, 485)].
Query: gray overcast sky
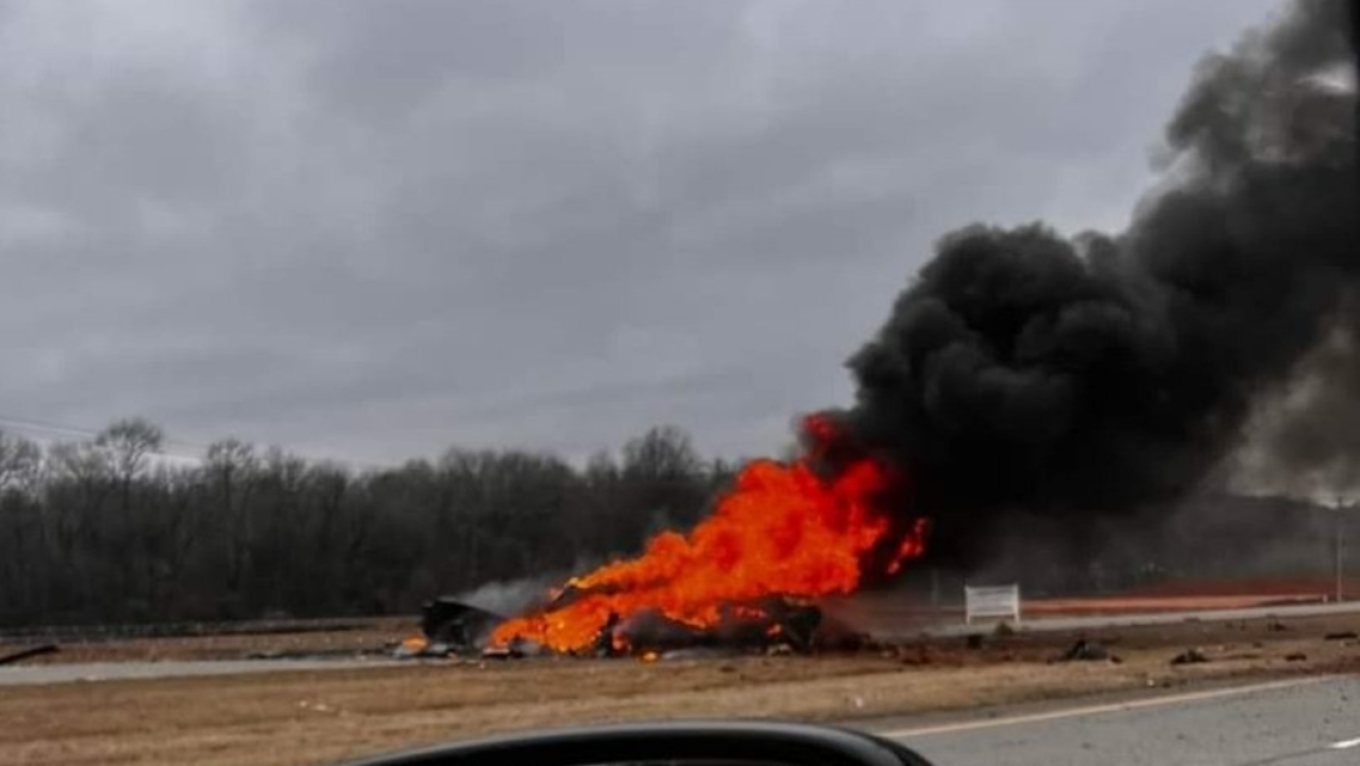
[(373, 229)]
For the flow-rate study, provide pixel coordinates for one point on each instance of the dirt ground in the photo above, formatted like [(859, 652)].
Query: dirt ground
[(289, 718)]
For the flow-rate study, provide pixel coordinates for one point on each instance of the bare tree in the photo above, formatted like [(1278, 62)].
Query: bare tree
[(20, 463), (663, 453), (232, 467), (80, 462), (664, 483), (128, 444)]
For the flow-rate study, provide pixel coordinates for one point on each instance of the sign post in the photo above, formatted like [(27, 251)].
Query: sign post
[(997, 601)]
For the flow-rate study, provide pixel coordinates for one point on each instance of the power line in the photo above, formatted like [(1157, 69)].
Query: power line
[(22, 424), (30, 425)]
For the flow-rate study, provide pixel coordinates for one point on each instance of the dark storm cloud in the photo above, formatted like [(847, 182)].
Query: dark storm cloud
[(375, 229)]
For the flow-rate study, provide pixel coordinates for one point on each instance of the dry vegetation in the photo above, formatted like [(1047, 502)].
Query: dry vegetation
[(315, 717)]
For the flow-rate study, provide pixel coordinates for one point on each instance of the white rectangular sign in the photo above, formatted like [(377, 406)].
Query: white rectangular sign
[(991, 601)]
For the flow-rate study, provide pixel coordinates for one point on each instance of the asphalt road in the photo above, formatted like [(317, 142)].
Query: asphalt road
[(1295, 722), (66, 673), (1300, 722), (1156, 618), (23, 675)]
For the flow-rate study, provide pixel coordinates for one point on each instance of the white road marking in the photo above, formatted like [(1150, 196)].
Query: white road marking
[(1116, 707), (1346, 744)]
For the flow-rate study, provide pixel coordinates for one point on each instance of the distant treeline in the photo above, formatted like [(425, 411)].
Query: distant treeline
[(105, 531)]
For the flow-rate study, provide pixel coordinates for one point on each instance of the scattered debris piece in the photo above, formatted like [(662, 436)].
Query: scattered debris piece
[(975, 640), (1296, 657), (1086, 651), (1345, 635), (699, 653), (1273, 624), (438, 649), (608, 642), (1189, 657), (449, 621), (798, 623), (413, 646), (32, 651), (318, 707), (502, 653)]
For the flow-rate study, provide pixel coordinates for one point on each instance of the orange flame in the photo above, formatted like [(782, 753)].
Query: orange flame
[(782, 530)]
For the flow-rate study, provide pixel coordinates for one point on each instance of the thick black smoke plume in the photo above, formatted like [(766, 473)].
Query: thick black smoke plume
[(1024, 372)]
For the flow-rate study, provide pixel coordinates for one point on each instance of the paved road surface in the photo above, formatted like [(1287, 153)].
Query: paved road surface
[(41, 674), (1158, 618), (1301, 722), (110, 671), (1297, 722)]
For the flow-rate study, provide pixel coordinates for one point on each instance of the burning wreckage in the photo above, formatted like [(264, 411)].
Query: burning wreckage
[(1024, 374), (776, 624), (745, 578), (747, 575)]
